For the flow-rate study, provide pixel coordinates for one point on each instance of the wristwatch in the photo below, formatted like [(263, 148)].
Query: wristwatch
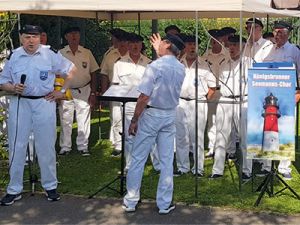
[(63, 91)]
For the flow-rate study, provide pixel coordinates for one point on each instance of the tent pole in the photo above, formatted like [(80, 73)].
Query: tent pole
[(111, 20), (139, 23), (241, 67), (196, 107), (154, 31)]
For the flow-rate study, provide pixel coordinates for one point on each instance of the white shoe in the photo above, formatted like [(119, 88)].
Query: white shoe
[(127, 208), (167, 211)]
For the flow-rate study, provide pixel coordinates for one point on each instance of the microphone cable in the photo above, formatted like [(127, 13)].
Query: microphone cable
[(23, 78)]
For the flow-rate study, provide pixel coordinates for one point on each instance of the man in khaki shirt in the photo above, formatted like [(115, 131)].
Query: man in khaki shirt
[(83, 97)]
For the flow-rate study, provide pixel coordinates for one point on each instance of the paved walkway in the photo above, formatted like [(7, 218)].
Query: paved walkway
[(78, 210)]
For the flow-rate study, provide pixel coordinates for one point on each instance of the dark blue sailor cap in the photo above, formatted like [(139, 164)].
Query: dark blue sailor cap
[(236, 39), (176, 40), (228, 30), (30, 29), (172, 27), (72, 29), (216, 33), (282, 24), (190, 38), (133, 37)]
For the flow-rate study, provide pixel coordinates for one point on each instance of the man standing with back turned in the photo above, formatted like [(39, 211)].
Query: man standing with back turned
[(154, 121)]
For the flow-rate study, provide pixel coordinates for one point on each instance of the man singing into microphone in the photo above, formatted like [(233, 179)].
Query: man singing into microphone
[(29, 75)]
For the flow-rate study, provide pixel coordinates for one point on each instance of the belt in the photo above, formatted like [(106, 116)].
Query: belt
[(32, 97), (153, 107), (187, 99), (235, 96)]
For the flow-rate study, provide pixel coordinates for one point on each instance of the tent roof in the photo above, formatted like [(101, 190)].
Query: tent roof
[(149, 9)]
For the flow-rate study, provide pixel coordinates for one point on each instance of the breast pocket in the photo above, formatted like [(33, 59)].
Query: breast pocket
[(43, 72), (125, 78), (44, 76), (17, 72)]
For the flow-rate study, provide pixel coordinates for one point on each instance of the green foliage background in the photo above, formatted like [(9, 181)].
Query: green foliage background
[(95, 36)]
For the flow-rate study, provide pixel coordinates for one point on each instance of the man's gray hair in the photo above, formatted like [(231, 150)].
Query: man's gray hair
[(173, 49)]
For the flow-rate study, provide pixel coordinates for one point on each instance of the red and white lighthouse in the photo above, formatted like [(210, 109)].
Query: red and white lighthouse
[(270, 132)]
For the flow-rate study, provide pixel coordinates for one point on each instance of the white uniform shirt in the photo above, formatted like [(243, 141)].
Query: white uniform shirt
[(259, 50), (107, 66), (83, 60), (162, 81), (205, 79), (216, 60), (39, 68), (230, 78), (126, 72), (286, 53)]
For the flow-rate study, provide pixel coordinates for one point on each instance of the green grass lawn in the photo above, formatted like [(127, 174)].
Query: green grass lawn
[(84, 175)]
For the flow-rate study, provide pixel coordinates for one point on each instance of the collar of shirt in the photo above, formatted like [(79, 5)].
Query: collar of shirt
[(129, 59), (184, 62), (259, 42), (78, 50), (283, 46), (24, 53)]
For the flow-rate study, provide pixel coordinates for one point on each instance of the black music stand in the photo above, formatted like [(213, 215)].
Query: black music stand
[(121, 177)]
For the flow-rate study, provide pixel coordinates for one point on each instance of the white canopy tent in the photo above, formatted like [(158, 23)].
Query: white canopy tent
[(149, 9), (146, 9)]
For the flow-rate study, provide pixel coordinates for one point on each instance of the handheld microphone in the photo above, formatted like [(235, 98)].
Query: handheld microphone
[(23, 78)]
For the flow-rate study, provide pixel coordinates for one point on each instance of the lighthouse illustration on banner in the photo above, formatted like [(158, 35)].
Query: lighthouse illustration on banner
[(270, 128)]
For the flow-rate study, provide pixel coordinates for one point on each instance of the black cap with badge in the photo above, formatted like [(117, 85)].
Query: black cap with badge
[(30, 29), (174, 39), (282, 24)]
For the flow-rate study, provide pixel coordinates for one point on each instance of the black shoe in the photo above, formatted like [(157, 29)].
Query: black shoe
[(199, 174), (61, 152), (85, 152), (215, 176), (116, 153), (209, 155), (246, 177), (52, 195), (232, 156), (262, 173), (9, 199), (178, 173), (167, 210)]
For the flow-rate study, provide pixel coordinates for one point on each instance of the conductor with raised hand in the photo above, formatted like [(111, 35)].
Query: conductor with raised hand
[(154, 121), (33, 108)]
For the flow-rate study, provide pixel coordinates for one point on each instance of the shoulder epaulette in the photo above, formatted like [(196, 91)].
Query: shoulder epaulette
[(150, 61), (221, 61), (10, 54), (54, 50), (298, 47), (267, 45), (118, 59), (208, 62)]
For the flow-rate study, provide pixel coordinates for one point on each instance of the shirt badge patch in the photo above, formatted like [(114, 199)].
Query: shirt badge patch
[(43, 75), (84, 65)]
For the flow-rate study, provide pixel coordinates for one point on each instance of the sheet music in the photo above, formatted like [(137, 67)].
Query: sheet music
[(122, 91)]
